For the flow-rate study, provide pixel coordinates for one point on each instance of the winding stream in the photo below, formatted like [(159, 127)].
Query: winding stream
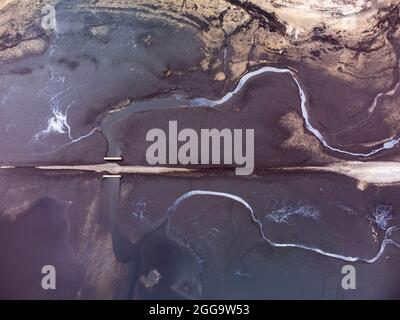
[(303, 106), (175, 101), (386, 240)]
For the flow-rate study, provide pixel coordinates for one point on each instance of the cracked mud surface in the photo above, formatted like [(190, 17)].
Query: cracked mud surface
[(324, 192)]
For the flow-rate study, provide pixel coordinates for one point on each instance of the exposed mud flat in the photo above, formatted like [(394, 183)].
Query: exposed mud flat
[(211, 245), (85, 73), (65, 227), (321, 92), (108, 55)]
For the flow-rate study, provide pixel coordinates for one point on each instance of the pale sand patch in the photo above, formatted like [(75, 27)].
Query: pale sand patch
[(114, 169), (378, 173), (13, 212), (4, 3)]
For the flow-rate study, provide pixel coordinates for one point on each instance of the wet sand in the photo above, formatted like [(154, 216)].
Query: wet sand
[(323, 193), (82, 75), (90, 68), (212, 247)]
